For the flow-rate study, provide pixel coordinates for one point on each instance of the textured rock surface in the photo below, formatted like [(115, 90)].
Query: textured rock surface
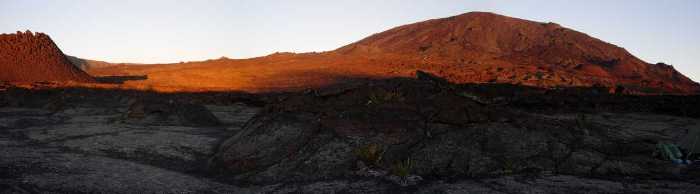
[(30, 57), (445, 133), (92, 146), (91, 141)]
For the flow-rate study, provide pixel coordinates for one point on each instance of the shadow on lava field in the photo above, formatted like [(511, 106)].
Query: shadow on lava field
[(309, 139)]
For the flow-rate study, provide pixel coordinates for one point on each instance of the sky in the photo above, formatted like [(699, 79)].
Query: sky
[(165, 31)]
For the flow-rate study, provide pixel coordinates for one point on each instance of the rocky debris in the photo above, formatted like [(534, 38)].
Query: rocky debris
[(102, 130), (17, 97), (691, 142), (383, 136), (32, 57), (236, 115), (403, 178), (443, 135), (52, 170), (558, 184), (89, 147), (196, 115), (409, 180), (170, 112), (333, 186)]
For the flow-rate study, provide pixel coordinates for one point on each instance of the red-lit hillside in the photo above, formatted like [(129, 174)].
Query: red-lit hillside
[(486, 47), (30, 57), (474, 47)]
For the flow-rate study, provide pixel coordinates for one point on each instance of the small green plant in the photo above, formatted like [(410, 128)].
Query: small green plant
[(508, 167), (370, 154), (669, 151), (373, 99), (402, 168)]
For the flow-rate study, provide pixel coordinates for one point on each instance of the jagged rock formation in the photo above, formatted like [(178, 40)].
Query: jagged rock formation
[(470, 138), (486, 47), (33, 57), (454, 131)]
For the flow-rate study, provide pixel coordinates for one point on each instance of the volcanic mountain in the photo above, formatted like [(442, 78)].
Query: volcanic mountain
[(30, 57), (486, 47), (475, 47)]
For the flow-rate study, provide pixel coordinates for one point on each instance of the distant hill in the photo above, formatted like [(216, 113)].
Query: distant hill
[(30, 57), (86, 64), (474, 47), (486, 47)]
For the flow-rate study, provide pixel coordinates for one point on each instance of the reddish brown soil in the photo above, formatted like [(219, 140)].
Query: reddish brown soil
[(474, 47), (470, 48), (29, 57), (485, 47)]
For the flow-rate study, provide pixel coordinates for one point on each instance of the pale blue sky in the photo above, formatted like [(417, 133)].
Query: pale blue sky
[(171, 31)]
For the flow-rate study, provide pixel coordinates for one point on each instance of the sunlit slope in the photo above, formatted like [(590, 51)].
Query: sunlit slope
[(474, 47)]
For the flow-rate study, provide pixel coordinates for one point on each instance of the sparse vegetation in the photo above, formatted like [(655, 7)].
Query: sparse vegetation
[(370, 154), (669, 151), (508, 167), (402, 168)]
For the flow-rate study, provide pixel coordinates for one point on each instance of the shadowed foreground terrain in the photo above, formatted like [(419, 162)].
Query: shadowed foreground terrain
[(399, 135)]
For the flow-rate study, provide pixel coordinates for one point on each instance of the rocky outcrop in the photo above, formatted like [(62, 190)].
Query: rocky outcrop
[(158, 112), (435, 130), (33, 57), (89, 146), (382, 136)]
